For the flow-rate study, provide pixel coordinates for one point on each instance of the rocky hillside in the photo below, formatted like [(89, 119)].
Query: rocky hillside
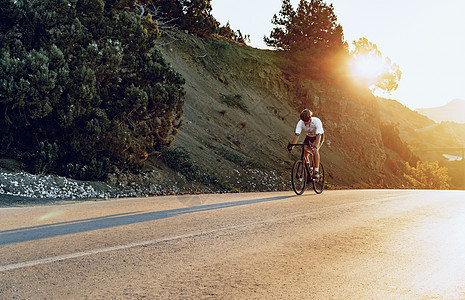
[(241, 110), (430, 141)]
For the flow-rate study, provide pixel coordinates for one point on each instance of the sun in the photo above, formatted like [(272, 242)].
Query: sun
[(367, 67)]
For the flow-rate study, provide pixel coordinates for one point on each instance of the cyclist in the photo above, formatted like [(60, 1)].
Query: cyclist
[(314, 139)]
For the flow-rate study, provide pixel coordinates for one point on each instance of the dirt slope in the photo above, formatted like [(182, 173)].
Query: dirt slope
[(244, 143)]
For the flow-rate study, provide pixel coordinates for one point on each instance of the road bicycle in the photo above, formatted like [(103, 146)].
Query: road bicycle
[(302, 172)]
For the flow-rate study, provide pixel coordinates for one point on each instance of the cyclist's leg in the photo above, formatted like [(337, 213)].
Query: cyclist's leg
[(316, 158), (316, 154), (307, 145)]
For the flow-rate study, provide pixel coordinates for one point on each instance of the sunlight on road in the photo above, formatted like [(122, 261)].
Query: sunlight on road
[(445, 258)]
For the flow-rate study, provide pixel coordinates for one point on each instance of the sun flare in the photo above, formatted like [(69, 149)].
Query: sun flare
[(367, 67)]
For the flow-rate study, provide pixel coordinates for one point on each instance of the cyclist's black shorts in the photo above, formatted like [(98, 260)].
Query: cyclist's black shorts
[(309, 140)]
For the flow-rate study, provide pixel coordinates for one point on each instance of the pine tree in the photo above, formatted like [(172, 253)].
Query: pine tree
[(192, 15), (281, 36), (84, 76), (312, 26)]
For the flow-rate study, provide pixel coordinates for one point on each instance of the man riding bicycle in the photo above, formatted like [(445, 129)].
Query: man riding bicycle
[(314, 139)]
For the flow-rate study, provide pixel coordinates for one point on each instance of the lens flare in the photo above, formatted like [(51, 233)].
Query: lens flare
[(50, 215), (367, 67)]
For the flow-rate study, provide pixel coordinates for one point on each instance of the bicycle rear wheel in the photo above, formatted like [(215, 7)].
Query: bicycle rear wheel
[(319, 184), (298, 177)]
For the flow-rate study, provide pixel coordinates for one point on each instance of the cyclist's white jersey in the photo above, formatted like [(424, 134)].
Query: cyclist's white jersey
[(312, 129)]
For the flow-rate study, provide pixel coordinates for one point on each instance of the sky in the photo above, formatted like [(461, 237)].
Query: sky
[(426, 38)]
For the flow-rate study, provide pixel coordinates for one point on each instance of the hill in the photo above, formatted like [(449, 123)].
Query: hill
[(454, 111), (241, 109), (429, 141), (409, 122)]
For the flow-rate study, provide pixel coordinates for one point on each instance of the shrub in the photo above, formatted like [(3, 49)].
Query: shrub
[(427, 175), (44, 159), (180, 160), (84, 76), (392, 140), (193, 16), (97, 169), (234, 101)]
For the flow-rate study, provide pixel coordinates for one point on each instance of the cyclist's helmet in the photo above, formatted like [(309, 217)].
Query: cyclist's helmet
[(306, 115)]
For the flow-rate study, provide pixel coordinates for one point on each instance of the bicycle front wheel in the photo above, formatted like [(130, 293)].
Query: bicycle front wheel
[(319, 184), (298, 177)]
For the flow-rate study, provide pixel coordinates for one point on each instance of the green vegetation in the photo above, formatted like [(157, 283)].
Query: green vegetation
[(82, 86), (192, 15), (311, 39), (313, 43), (416, 173), (180, 160), (84, 89), (234, 101), (237, 158), (456, 171), (313, 25), (427, 175), (391, 140)]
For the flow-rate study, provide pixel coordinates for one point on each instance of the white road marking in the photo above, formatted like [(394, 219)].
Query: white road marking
[(161, 240), (127, 246), (103, 250)]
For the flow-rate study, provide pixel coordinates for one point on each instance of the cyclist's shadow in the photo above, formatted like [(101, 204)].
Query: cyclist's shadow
[(19, 235)]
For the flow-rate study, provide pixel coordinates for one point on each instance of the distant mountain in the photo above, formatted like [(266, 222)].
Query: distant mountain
[(453, 111)]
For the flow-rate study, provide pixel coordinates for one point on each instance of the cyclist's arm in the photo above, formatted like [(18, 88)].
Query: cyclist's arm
[(294, 141), (298, 130)]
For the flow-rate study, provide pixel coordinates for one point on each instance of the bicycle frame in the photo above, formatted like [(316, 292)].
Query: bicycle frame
[(300, 180), (302, 157)]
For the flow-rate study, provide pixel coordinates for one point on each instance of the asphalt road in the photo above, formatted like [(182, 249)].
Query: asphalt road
[(358, 244)]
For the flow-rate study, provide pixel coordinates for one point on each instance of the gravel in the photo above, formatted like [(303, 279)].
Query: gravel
[(22, 188), (19, 188)]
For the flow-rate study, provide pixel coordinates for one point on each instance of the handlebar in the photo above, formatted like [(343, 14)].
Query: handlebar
[(289, 145)]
